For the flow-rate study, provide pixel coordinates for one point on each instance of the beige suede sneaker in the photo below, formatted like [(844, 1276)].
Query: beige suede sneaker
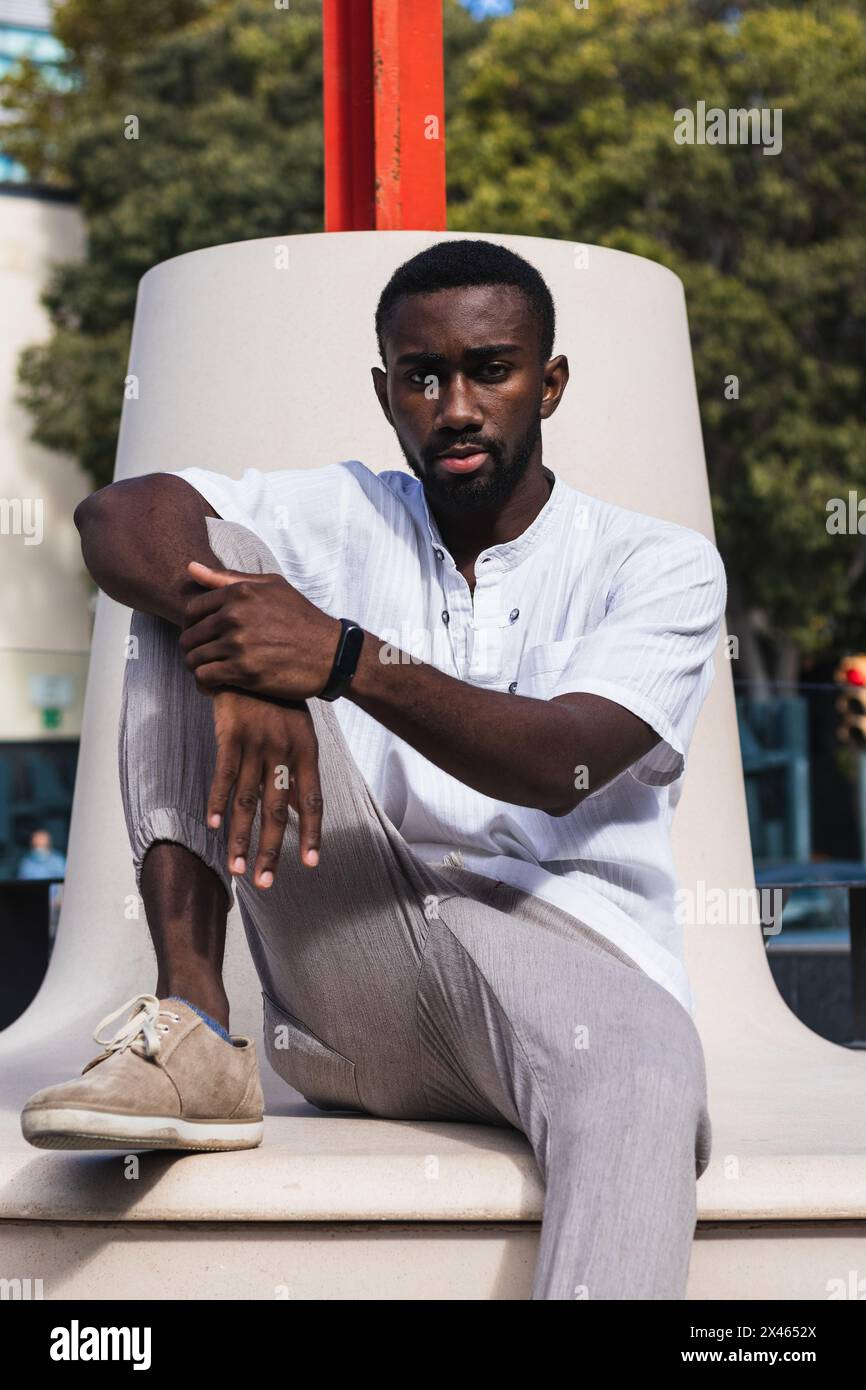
[(166, 1080)]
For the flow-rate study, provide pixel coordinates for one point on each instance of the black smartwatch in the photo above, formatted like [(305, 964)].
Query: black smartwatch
[(346, 660)]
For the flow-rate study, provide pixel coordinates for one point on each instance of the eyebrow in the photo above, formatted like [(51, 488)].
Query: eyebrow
[(488, 350)]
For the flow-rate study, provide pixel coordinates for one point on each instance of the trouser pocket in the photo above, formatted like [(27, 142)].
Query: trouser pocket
[(323, 1076)]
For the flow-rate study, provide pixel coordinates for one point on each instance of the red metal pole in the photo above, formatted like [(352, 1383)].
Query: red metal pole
[(384, 99), (347, 35), (409, 114)]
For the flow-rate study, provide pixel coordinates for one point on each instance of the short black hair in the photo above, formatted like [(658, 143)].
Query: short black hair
[(449, 264)]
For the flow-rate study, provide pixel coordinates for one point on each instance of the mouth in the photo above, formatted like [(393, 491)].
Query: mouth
[(462, 460)]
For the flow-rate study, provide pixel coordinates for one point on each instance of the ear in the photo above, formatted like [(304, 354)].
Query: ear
[(380, 386), (555, 381)]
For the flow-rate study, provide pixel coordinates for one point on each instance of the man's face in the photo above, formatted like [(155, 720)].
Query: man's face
[(465, 391), (40, 840)]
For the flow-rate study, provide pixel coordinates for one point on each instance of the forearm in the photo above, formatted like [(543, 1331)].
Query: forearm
[(137, 538), (509, 747)]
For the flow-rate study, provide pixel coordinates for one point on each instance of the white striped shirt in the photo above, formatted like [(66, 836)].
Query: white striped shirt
[(591, 597)]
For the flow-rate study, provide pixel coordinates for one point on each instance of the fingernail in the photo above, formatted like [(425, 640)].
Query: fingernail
[(239, 865), (312, 857), (266, 879), (214, 820)]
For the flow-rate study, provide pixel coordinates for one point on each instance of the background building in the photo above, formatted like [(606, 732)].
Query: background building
[(45, 615)]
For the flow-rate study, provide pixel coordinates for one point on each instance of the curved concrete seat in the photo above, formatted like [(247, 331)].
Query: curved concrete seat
[(226, 347)]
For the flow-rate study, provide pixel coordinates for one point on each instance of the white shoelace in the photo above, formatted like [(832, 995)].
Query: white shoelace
[(454, 859), (142, 1030)]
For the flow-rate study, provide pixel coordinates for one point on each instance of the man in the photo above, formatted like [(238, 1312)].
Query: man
[(431, 730), (42, 860)]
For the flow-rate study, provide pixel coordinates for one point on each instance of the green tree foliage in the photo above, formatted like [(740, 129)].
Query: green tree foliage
[(100, 38), (228, 97), (229, 147), (566, 129), (560, 124)]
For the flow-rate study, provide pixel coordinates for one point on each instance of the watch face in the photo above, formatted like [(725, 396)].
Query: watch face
[(346, 660), (348, 652), (354, 642)]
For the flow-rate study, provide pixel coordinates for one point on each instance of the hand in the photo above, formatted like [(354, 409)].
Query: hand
[(258, 747), (258, 632)]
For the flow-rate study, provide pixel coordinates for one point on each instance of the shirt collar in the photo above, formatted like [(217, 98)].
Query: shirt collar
[(510, 553)]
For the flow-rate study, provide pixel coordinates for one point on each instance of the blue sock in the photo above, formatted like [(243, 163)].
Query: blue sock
[(211, 1022)]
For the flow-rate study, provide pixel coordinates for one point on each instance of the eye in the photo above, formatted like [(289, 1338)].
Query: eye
[(501, 367)]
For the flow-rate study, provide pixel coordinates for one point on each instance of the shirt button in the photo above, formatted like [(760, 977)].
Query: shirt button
[(512, 687), (514, 615), (438, 553), (446, 617)]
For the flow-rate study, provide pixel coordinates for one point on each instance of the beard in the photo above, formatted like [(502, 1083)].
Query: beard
[(467, 492)]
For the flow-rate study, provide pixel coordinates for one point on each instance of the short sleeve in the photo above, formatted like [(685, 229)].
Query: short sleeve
[(300, 514), (653, 652), (242, 499)]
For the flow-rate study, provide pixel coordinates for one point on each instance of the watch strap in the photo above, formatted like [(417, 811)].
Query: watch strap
[(346, 659)]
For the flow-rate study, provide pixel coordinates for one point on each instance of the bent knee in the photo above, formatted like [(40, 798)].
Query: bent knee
[(239, 548)]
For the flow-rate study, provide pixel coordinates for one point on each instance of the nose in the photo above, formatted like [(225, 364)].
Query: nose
[(458, 408)]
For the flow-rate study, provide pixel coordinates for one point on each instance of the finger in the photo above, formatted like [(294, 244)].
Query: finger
[(200, 605), (208, 691), (309, 802), (210, 678), (211, 600), (246, 800), (228, 762), (211, 578), (275, 818), (206, 629), (207, 654)]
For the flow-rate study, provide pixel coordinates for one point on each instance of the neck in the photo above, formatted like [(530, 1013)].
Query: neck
[(467, 534)]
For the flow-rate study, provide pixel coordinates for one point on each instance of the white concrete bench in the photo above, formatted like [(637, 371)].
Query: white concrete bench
[(229, 351)]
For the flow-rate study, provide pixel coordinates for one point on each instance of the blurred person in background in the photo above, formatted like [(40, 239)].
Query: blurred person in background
[(42, 860)]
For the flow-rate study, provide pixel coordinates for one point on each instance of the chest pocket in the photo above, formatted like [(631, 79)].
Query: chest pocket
[(542, 666)]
